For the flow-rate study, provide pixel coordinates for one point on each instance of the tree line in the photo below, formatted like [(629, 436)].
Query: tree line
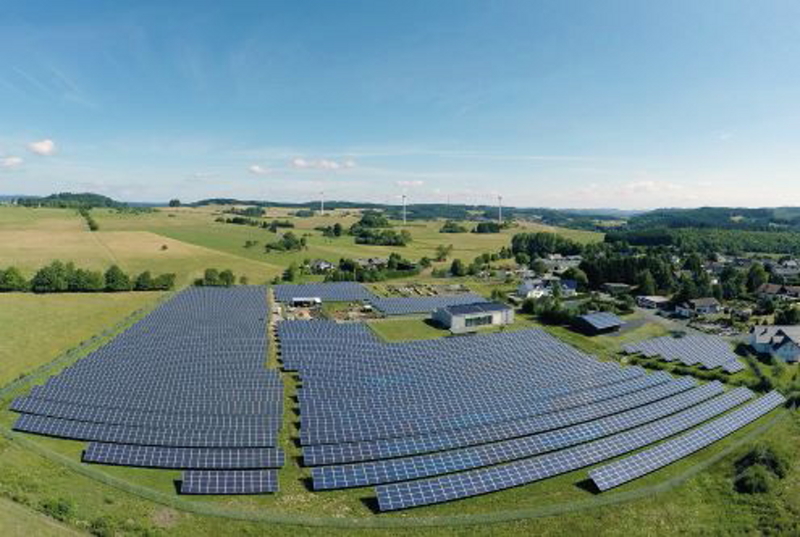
[(60, 277)]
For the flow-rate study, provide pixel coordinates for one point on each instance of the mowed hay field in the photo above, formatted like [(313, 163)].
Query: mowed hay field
[(62, 234)]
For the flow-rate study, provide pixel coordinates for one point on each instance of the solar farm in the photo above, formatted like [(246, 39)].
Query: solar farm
[(706, 351), (185, 388), (433, 421), (186, 392)]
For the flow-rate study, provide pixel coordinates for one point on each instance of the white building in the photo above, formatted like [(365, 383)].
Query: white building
[(469, 317), (778, 341), (699, 306), (539, 287)]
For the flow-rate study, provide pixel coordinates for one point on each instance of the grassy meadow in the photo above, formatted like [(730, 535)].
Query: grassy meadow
[(37, 471)]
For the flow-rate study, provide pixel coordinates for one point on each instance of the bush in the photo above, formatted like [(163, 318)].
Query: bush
[(58, 508), (12, 279), (754, 480), (774, 460)]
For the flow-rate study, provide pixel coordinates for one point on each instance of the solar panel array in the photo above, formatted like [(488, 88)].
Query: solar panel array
[(422, 305), (353, 291), (184, 388), (430, 421), (644, 462), (602, 320), (327, 292), (705, 351)]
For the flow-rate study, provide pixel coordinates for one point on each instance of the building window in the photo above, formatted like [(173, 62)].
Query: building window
[(470, 322)]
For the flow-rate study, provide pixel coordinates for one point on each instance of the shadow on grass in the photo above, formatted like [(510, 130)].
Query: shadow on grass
[(587, 485)]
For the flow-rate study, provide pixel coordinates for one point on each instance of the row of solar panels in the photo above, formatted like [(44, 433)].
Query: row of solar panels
[(355, 292), (426, 422), (706, 351), (184, 388)]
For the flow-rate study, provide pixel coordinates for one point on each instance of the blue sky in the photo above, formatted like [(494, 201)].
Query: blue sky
[(625, 104)]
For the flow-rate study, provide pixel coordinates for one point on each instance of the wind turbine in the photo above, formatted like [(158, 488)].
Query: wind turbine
[(322, 203), (499, 209)]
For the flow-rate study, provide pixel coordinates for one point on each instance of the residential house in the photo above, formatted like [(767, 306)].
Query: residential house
[(699, 306), (779, 291), (778, 341), (539, 287)]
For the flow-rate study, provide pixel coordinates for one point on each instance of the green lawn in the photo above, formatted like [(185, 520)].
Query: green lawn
[(34, 329), (406, 329)]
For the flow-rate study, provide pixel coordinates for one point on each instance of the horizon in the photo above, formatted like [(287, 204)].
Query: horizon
[(620, 106)]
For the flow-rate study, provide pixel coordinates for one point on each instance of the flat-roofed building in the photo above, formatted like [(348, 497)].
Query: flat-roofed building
[(469, 317)]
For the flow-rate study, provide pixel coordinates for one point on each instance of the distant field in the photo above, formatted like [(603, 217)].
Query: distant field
[(197, 226), (134, 251), (37, 328)]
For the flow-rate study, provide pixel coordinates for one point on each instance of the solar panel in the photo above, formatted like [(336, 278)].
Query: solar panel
[(404, 469), (707, 351), (602, 320), (412, 445), (182, 458), (644, 462), (184, 387), (465, 484), (229, 482)]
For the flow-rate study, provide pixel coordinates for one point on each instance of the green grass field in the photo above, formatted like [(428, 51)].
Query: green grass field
[(35, 471), (37, 328)]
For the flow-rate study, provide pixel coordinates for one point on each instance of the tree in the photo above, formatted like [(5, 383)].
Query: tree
[(538, 267), (226, 278), (143, 282), (522, 259), (85, 281), (116, 280), (443, 252), (457, 268), (425, 262), (337, 229), (11, 279), (50, 279), (578, 276), (788, 316), (646, 283), (291, 273), (756, 277), (164, 282), (174, 202), (211, 277)]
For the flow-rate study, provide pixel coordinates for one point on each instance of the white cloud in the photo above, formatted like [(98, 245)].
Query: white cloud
[(257, 169), (409, 184), (10, 162), (321, 164), (43, 147)]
